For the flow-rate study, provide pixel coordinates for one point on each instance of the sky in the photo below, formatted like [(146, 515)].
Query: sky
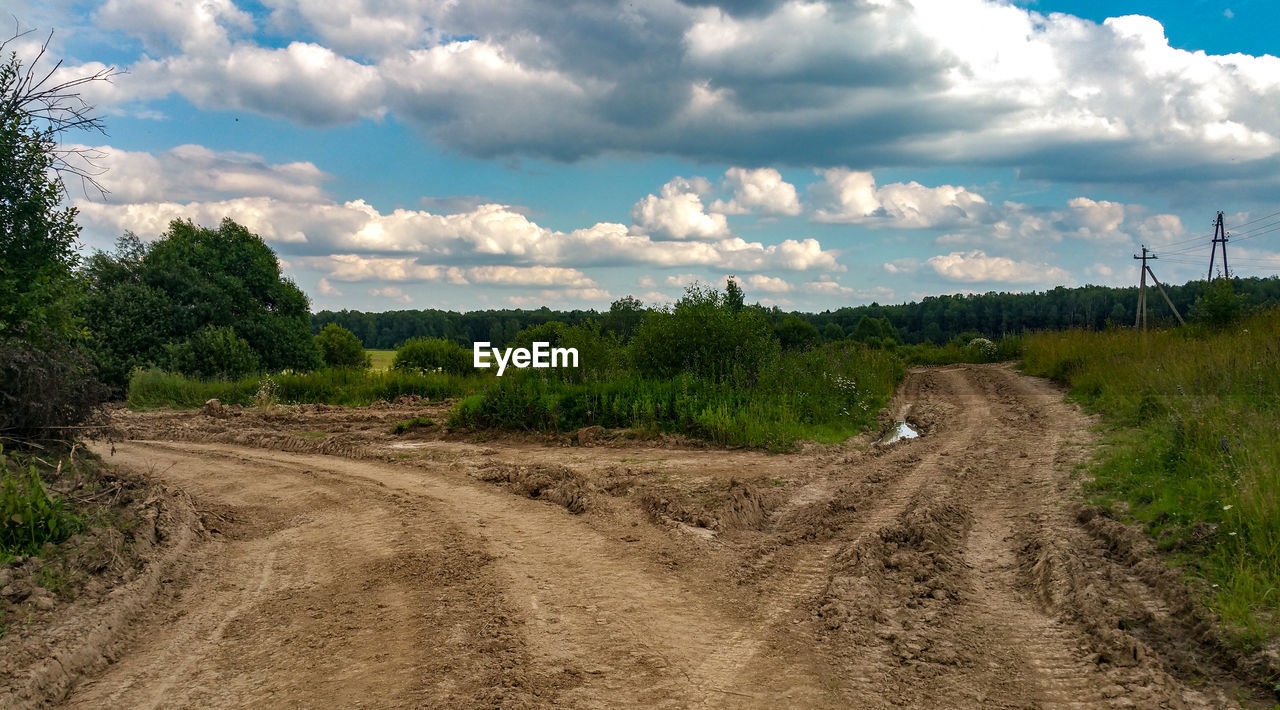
[(476, 154)]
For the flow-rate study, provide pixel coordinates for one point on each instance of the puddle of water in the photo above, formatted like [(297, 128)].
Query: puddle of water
[(898, 433)]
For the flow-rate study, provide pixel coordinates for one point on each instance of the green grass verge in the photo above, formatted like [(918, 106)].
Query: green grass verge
[(1193, 449)]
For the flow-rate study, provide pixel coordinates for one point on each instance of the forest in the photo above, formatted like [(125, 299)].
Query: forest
[(935, 319)]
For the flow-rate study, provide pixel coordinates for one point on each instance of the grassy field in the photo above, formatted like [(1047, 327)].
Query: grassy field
[(382, 359), (1193, 449), (151, 389)]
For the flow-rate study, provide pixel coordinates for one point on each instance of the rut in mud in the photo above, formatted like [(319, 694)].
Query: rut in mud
[(952, 570)]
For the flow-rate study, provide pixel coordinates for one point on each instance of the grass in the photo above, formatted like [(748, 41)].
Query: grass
[(152, 389), (411, 424), (824, 395), (382, 359), (1193, 449)]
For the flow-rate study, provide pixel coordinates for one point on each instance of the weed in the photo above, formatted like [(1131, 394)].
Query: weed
[(29, 515), (1192, 449), (411, 424)]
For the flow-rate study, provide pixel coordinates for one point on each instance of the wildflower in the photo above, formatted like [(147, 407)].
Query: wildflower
[(1226, 507)]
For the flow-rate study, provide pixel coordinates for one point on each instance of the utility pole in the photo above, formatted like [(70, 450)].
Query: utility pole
[(1219, 237), (1141, 318)]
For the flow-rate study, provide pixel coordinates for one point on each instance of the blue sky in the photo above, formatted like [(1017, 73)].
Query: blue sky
[(500, 153)]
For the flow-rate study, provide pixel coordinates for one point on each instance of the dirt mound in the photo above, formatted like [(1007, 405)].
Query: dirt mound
[(735, 506), (557, 484)]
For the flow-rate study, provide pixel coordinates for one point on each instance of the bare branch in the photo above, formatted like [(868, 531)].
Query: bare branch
[(57, 109)]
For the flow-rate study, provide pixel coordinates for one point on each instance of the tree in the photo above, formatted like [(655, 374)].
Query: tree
[(795, 333), (191, 278), (213, 353), (341, 348), (624, 317), (706, 334), (47, 382), (832, 332)]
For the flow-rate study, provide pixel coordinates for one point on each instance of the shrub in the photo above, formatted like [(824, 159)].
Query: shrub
[(29, 516), (706, 334), (45, 389), (341, 348), (433, 355), (213, 353)]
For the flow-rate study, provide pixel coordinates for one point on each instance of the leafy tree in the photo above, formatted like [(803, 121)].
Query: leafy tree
[(433, 355), (1219, 305), (599, 353), (47, 383), (624, 317), (341, 348), (144, 297), (795, 333), (37, 239), (706, 334), (213, 353), (832, 332), (733, 295)]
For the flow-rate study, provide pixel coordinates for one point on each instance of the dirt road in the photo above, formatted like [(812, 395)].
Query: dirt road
[(953, 570)]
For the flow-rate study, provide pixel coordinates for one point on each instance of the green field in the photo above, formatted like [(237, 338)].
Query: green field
[(382, 359)]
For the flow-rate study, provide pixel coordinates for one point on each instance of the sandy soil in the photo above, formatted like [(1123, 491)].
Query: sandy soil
[(343, 566)]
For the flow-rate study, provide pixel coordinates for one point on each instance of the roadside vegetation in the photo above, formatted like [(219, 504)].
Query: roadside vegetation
[(1192, 445)]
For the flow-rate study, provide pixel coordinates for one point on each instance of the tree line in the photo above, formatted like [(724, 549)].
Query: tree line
[(934, 319)]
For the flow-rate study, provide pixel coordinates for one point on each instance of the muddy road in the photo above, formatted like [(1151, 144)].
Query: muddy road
[(349, 569)]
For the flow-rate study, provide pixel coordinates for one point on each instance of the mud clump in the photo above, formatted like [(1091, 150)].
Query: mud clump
[(214, 408), (738, 506), (905, 568), (556, 484)]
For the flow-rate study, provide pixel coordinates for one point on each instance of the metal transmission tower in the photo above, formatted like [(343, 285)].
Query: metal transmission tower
[(1140, 320), (1219, 237)]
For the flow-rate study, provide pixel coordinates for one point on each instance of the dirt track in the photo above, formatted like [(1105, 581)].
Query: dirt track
[(953, 570)]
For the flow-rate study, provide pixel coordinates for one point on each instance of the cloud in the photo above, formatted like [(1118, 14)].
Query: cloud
[(849, 196), (646, 282), (760, 282), (285, 204), (959, 82), (592, 296), (392, 292), (760, 191), (353, 267), (189, 172), (677, 214), (326, 289), (975, 266), (905, 265), (828, 288), (682, 280)]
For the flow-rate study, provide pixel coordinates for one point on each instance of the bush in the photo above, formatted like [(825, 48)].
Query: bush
[(45, 389), (341, 348), (708, 335), (213, 353), (600, 354), (433, 355), (29, 516)]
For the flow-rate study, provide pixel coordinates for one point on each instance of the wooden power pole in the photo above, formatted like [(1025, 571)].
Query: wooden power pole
[(1219, 237), (1140, 320)]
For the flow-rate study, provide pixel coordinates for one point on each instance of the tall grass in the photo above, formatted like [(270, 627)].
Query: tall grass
[(1194, 448), (826, 394), (151, 389)]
